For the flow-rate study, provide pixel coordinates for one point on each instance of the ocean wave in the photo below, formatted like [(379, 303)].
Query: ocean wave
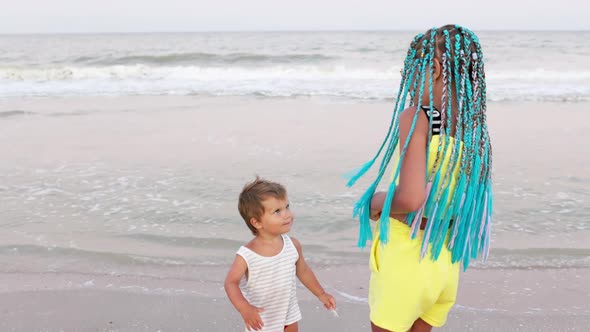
[(536, 74), (9, 114), (285, 81), (142, 70), (195, 73), (204, 59), (191, 242), (214, 252), (120, 258), (536, 258)]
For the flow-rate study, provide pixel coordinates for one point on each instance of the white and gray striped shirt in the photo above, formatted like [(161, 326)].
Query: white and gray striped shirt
[(271, 285)]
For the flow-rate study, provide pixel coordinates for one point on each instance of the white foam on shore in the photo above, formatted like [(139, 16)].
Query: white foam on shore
[(352, 298)]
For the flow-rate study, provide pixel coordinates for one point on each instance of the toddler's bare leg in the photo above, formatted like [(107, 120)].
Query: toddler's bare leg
[(292, 328)]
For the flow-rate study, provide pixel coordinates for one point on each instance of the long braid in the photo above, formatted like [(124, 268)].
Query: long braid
[(360, 209), (444, 216), (428, 47), (384, 221), (431, 48), (460, 193)]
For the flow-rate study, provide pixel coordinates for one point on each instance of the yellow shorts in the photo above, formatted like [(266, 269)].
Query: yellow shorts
[(403, 288)]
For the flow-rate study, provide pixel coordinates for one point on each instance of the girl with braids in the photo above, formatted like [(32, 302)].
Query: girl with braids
[(436, 213)]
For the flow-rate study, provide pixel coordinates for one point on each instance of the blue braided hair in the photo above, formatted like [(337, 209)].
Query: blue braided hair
[(462, 213)]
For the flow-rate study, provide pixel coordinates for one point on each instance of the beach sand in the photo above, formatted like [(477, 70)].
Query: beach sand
[(298, 141), (499, 300)]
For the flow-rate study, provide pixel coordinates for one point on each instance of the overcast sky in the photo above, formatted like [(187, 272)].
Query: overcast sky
[(84, 16)]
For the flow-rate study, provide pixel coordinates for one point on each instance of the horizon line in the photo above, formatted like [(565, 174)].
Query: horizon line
[(268, 31)]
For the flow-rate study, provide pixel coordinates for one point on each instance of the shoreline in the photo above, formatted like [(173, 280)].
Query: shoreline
[(546, 301)]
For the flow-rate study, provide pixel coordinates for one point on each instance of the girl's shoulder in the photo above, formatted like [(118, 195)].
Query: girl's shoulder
[(424, 116), (406, 120)]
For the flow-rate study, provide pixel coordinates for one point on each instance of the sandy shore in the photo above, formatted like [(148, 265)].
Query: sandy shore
[(308, 142), (550, 300)]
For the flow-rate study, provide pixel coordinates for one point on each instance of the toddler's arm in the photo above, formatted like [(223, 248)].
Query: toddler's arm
[(307, 278), (250, 314)]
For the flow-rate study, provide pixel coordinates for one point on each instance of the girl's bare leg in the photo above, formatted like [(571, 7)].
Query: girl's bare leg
[(375, 328), (421, 326)]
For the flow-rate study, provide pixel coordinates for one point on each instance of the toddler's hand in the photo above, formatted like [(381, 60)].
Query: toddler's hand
[(328, 301), (251, 317)]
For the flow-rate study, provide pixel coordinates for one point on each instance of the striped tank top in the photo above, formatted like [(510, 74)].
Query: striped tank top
[(271, 284)]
